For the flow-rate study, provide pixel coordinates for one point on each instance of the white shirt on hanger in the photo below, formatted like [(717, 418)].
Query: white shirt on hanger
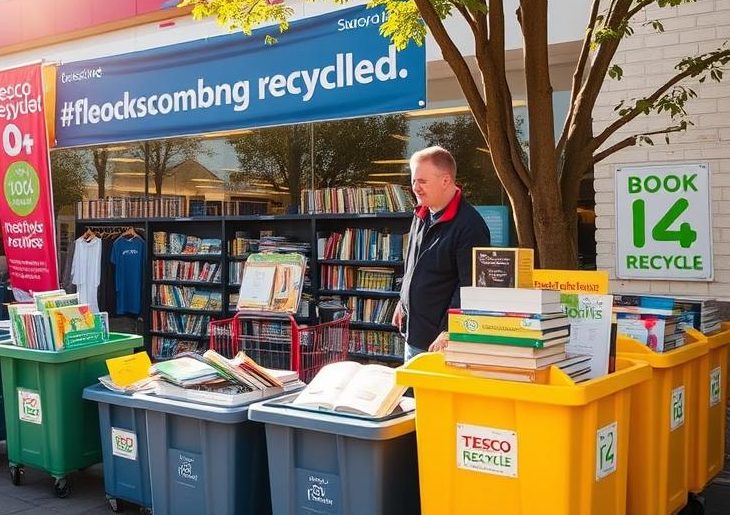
[(86, 271)]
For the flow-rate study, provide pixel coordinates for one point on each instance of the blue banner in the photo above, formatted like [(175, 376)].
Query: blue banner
[(332, 66), (497, 219)]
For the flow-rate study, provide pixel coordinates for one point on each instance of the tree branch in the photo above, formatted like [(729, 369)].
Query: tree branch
[(466, 14), (636, 111), (453, 56), (585, 51), (631, 141)]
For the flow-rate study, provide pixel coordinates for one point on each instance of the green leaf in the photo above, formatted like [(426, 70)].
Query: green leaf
[(615, 72)]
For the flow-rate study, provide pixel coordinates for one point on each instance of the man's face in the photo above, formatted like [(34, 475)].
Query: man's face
[(429, 184)]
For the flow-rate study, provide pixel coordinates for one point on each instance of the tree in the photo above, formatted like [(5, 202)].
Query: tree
[(100, 157), (161, 155), (544, 189), (68, 176), (343, 151)]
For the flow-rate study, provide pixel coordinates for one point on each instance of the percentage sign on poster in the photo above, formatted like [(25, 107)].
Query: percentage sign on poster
[(14, 141)]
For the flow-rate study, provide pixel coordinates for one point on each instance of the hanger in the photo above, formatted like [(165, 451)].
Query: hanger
[(129, 233), (88, 235)]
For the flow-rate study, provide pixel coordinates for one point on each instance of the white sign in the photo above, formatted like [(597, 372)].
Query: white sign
[(606, 450), (715, 386), (677, 415), (124, 444), (29, 406), (663, 225), (486, 449)]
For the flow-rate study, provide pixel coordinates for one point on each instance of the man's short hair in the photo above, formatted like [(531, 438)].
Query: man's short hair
[(438, 156)]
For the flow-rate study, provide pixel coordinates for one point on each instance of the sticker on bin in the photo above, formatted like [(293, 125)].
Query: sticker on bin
[(715, 385), (188, 467), (29, 406), (606, 442), (124, 444), (318, 492), (486, 449), (677, 418)]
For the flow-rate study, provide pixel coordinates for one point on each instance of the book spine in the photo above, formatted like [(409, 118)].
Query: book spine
[(501, 340)]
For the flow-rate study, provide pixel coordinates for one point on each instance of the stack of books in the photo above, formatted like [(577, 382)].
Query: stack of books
[(700, 313), (511, 333), (655, 321)]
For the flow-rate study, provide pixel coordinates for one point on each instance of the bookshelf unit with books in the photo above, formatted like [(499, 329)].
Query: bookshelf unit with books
[(178, 278), (360, 262)]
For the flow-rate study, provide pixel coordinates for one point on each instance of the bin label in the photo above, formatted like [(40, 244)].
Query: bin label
[(486, 449), (606, 447), (124, 444), (186, 467), (318, 492), (677, 418), (715, 385), (29, 406)]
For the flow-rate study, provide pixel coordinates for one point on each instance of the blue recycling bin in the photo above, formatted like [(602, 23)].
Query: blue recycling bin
[(123, 432), (326, 463)]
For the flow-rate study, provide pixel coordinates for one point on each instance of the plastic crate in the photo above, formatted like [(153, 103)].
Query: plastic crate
[(205, 459), (662, 415), (490, 446), (49, 425), (334, 464), (707, 435), (123, 433)]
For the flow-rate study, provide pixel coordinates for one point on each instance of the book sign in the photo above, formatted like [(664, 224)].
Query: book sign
[(486, 449), (677, 416), (29, 406), (715, 385), (606, 444), (663, 226), (124, 444)]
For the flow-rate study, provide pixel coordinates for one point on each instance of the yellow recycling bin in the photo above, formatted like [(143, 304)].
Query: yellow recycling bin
[(707, 435), (661, 417), (490, 446)]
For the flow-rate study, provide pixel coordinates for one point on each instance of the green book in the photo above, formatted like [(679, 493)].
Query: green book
[(535, 343)]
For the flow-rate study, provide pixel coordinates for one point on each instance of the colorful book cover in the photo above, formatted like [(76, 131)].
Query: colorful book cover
[(505, 326), (537, 343), (71, 319)]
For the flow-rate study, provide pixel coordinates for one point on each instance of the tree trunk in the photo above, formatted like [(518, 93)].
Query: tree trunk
[(158, 183), (102, 184), (554, 233)]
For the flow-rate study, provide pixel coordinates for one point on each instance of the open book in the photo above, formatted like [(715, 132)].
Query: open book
[(350, 387)]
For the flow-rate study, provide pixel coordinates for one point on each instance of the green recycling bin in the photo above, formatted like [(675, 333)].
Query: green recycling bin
[(49, 426)]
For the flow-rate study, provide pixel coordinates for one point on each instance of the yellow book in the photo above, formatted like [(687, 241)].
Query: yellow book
[(502, 267), (505, 326), (126, 370)]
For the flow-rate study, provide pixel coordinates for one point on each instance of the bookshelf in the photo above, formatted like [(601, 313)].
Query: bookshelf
[(165, 324)]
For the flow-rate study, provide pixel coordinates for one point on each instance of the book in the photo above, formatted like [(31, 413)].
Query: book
[(507, 350), (537, 343), (518, 300), (350, 387), (590, 328), (185, 371), (502, 267), (502, 361), (74, 324), (492, 326), (272, 282), (125, 370), (523, 375), (487, 321)]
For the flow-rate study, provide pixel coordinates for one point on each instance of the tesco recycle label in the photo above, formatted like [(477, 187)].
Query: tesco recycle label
[(486, 449)]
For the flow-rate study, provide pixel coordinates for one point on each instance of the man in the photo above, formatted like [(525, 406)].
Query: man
[(445, 228)]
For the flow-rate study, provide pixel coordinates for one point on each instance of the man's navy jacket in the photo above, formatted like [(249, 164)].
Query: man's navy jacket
[(437, 264)]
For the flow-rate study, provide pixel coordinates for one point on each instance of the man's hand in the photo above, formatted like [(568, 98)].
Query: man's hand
[(398, 316), (440, 343)]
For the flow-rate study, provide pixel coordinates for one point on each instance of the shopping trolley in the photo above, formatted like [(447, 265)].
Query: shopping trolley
[(276, 340)]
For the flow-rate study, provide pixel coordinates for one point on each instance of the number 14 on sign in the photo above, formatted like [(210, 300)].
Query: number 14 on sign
[(685, 235)]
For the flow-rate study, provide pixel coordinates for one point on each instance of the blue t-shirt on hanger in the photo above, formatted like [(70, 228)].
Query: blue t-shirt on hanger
[(128, 256)]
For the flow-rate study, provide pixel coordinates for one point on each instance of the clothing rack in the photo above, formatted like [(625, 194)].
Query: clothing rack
[(112, 230)]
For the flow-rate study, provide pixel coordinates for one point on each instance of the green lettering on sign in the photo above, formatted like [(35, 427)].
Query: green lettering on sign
[(685, 236)]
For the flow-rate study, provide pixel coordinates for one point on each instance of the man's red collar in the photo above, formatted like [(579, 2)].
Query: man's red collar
[(449, 212)]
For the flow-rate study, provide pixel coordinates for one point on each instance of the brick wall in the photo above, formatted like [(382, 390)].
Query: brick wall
[(648, 60)]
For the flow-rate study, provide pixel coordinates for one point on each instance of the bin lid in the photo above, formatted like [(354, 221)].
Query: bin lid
[(280, 413), (116, 342), (151, 402)]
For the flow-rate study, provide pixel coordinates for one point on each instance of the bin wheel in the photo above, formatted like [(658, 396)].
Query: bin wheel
[(695, 506), (115, 504), (15, 474), (62, 487)]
